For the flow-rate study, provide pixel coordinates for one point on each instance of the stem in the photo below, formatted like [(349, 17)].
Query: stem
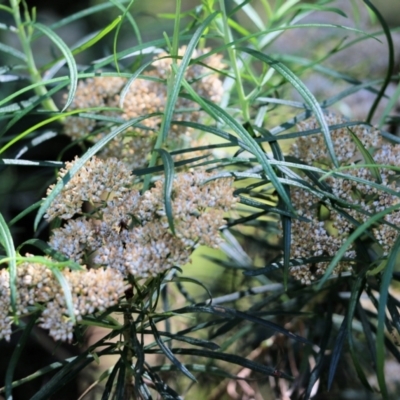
[(233, 58), (41, 91), (128, 387)]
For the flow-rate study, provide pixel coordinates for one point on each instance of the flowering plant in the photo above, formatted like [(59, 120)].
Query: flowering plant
[(197, 226)]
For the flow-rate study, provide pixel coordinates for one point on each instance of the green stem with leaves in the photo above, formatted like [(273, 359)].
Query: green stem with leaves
[(24, 37), (235, 66), (174, 51)]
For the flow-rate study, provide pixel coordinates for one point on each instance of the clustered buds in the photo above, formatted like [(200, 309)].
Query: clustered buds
[(130, 232), (120, 233), (146, 95), (326, 227), (37, 288)]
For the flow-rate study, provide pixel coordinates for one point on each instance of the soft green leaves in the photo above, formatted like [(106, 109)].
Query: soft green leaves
[(177, 81), (169, 354), (12, 52), (308, 97), (65, 50), (168, 185), (351, 239), (254, 147), (383, 298), (367, 156), (92, 41), (6, 241)]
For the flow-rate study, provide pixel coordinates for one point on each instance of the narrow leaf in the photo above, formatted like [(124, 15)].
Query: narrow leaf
[(174, 92), (65, 50), (13, 52), (337, 351), (383, 297), (12, 363), (350, 240), (255, 149), (170, 355), (308, 97), (391, 59), (7, 242), (67, 293), (168, 185), (368, 159), (92, 41)]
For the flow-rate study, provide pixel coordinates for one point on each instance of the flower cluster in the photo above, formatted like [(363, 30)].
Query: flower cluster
[(130, 232), (328, 227), (146, 95), (37, 288), (89, 184), (120, 232)]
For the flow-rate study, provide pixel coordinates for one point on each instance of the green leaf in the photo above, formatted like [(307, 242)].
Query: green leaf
[(322, 354), (389, 107), (169, 354), (255, 149), (232, 359), (6, 9), (383, 297), (65, 50), (128, 84), (13, 52), (187, 339), (29, 163), (55, 255), (22, 214), (40, 124), (253, 15), (391, 59), (231, 313), (317, 7), (6, 241), (356, 291), (350, 240), (12, 363), (92, 41), (308, 97), (177, 82), (337, 351), (367, 156), (168, 185), (203, 368), (367, 332), (28, 108), (67, 293), (110, 381), (120, 387)]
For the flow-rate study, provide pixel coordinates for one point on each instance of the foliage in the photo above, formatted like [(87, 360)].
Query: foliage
[(196, 139)]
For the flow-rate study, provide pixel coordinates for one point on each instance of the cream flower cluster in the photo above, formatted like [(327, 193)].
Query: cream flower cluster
[(120, 232), (146, 95), (329, 229), (89, 184), (128, 231), (37, 288)]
